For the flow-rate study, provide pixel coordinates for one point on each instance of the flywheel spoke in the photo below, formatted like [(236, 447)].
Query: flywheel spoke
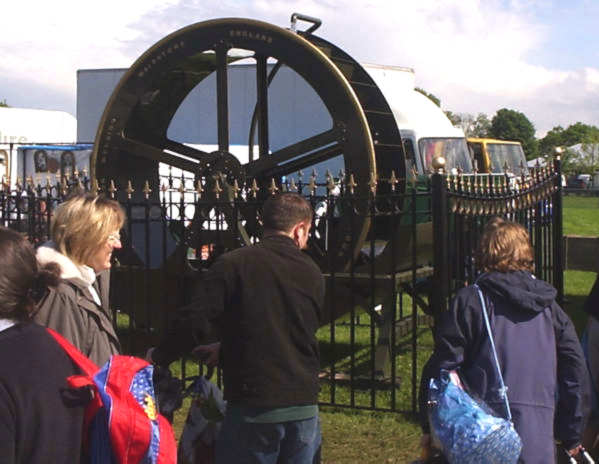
[(186, 150), (262, 105), (304, 162), (222, 98), (152, 153), (303, 153)]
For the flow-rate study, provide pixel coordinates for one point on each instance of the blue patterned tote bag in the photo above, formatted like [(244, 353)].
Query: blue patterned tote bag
[(466, 430)]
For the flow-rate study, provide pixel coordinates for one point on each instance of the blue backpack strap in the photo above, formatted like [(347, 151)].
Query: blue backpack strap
[(503, 388)]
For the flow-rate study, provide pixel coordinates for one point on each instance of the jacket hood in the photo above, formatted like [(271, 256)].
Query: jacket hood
[(47, 253), (520, 288)]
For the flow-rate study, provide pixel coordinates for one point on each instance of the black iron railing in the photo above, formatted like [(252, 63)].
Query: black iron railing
[(392, 257)]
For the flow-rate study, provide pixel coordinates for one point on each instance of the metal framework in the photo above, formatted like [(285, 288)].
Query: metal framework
[(132, 137)]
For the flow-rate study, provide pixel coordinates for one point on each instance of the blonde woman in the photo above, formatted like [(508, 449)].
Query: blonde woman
[(85, 232), (537, 347)]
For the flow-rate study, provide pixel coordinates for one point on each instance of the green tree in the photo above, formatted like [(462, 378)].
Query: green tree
[(434, 99), (455, 118), (3, 104), (572, 135), (553, 138), (513, 125), (473, 126)]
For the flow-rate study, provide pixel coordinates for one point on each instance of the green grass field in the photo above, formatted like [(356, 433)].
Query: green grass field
[(358, 436), (581, 215)]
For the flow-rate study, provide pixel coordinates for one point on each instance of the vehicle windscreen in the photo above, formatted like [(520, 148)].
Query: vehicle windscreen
[(507, 153), (454, 150)]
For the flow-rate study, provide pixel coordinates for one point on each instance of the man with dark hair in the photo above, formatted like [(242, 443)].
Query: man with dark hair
[(265, 301), (282, 212)]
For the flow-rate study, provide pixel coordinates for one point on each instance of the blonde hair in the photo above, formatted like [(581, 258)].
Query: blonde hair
[(504, 246), (83, 223)]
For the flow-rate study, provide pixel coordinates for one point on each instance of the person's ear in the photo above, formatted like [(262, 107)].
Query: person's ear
[(301, 232)]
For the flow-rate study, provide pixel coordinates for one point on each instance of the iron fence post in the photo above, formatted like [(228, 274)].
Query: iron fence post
[(558, 240), (440, 290)]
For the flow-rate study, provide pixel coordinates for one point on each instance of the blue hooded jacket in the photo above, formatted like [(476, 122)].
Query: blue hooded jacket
[(539, 354)]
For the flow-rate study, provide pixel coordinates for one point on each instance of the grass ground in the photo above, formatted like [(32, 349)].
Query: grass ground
[(357, 436), (581, 215)]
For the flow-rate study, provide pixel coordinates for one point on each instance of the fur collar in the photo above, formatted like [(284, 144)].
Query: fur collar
[(48, 253), (6, 323)]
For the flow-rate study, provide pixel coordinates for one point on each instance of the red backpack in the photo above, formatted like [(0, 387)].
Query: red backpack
[(122, 424)]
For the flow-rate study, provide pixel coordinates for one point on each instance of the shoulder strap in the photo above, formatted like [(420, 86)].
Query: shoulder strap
[(84, 363), (89, 369), (503, 388)]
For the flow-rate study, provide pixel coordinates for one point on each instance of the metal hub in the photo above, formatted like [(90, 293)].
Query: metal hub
[(224, 166)]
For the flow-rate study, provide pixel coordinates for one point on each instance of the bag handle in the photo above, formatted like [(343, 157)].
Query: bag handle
[(503, 388), (84, 363)]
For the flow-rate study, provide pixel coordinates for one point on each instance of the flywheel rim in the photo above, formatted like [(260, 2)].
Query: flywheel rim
[(118, 133)]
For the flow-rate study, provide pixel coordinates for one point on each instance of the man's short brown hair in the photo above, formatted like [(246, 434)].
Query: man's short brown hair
[(504, 246), (283, 211)]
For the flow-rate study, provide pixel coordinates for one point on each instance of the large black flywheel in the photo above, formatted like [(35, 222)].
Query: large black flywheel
[(133, 136)]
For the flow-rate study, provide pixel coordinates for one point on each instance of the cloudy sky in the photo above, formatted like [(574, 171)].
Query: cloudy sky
[(540, 57)]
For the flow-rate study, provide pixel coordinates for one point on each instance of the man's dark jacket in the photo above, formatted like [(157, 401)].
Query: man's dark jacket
[(539, 354), (265, 300)]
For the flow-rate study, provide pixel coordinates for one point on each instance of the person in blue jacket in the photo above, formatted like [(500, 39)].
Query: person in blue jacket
[(538, 350)]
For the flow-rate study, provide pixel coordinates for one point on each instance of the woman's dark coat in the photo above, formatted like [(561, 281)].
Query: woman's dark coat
[(71, 310), (539, 353)]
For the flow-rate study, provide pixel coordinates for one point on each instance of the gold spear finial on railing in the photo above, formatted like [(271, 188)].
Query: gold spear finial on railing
[(95, 186), (351, 184), (393, 180), (292, 187), (64, 188), (129, 190), (199, 188), (254, 188), (312, 184), (455, 181), (273, 186), (147, 190), (163, 189), (111, 188), (330, 184), (235, 189), (217, 190)]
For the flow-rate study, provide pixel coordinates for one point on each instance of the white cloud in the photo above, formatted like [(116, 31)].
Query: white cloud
[(475, 55)]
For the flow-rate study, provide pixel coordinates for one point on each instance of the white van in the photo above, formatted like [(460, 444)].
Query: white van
[(425, 130)]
